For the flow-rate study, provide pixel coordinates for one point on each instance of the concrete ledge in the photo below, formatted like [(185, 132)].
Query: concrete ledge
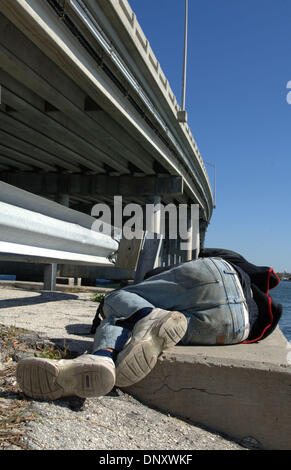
[(241, 390), (38, 286)]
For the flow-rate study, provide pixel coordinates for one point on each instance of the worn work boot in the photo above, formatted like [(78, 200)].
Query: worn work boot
[(50, 379), (153, 334)]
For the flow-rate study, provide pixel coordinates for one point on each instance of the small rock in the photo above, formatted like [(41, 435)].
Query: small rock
[(33, 339), (19, 355), (251, 443)]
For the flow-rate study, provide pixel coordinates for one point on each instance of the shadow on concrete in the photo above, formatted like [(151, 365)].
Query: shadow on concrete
[(79, 345), (79, 329), (75, 347), (42, 297)]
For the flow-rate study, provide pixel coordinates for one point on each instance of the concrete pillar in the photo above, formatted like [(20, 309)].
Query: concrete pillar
[(157, 221), (49, 277), (77, 281), (154, 215), (166, 245), (189, 252), (197, 245), (189, 232), (63, 199), (172, 255)]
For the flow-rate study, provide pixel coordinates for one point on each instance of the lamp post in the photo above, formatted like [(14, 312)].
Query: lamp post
[(185, 57), (182, 114)]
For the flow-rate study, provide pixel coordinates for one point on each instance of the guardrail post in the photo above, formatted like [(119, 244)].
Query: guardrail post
[(49, 277)]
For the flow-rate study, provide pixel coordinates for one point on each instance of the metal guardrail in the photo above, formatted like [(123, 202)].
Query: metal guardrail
[(34, 236), (36, 230)]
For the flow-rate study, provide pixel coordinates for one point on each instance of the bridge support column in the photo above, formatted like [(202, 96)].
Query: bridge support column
[(49, 277), (189, 254), (63, 199), (153, 216)]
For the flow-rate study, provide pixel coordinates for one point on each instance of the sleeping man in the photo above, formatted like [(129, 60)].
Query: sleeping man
[(218, 299)]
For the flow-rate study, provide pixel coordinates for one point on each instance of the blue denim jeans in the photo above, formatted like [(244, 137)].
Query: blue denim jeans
[(207, 291)]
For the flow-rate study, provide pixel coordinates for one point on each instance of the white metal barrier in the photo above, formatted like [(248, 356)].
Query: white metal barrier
[(36, 230)]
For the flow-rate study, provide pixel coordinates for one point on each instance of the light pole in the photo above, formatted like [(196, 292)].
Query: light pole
[(182, 115), (185, 57)]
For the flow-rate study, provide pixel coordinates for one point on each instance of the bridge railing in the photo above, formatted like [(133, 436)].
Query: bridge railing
[(130, 21)]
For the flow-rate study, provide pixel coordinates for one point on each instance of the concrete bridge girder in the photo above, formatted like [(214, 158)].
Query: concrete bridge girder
[(73, 120), (95, 185), (47, 85)]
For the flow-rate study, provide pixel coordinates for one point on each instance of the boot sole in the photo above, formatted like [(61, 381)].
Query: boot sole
[(43, 380), (138, 359)]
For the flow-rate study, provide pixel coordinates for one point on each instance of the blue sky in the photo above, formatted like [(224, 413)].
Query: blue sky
[(239, 64)]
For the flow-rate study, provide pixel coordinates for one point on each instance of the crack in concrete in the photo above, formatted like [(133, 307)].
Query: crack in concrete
[(194, 388)]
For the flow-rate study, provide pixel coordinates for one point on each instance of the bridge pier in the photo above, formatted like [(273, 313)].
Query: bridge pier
[(189, 255), (49, 277), (63, 199), (154, 216)]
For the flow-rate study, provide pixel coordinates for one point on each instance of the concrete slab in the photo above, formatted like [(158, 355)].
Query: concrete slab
[(64, 317), (242, 390), (272, 350)]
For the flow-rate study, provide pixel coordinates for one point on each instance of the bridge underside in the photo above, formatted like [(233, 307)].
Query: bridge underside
[(73, 130), (49, 124)]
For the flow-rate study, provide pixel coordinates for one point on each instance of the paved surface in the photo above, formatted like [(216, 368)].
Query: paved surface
[(64, 317), (117, 421)]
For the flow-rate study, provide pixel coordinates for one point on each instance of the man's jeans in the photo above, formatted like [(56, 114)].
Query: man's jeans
[(207, 291)]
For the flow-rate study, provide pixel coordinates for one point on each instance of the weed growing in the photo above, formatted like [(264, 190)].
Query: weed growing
[(15, 410)]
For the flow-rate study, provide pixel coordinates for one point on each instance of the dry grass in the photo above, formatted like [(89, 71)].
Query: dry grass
[(12, 419), (13, 411), (14, 407)]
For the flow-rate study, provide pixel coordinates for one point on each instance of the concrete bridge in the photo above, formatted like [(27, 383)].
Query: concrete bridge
[(87, 113)]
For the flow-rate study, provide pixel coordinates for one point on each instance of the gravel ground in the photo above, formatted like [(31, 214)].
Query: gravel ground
[(115, 422)]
